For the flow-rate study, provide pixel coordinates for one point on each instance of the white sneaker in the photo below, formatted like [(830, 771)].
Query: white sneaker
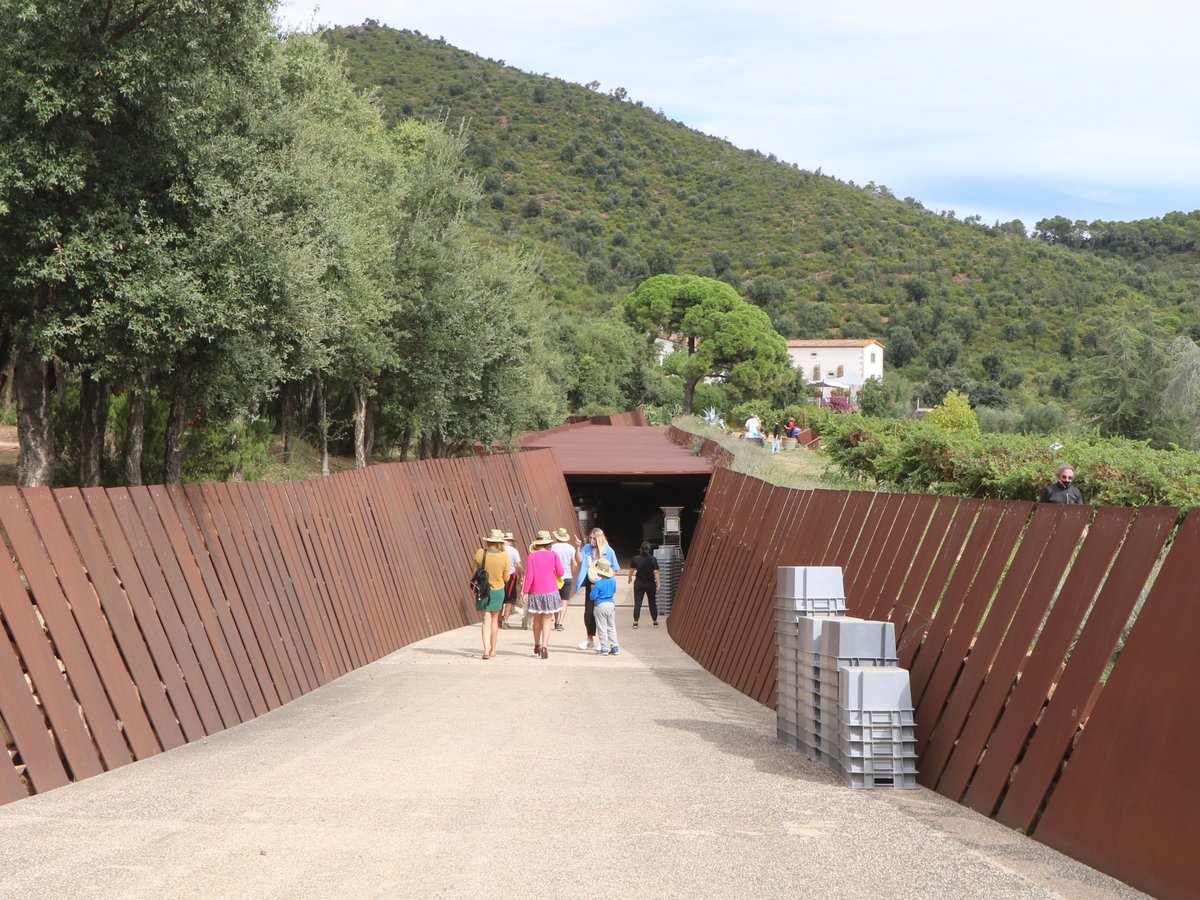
[(586, 645)]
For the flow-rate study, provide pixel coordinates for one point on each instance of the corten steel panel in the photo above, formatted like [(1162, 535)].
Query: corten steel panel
[(237, 589), (604, 450), (160, 518), (860, 564), (366, 587), (301, 577), (300, 641), (93, 629), (845, 534), (239, 550), (330, 585), (394, 512), (375, 548), (706, 557), (162, 602), (410, 481), (54, 693), (783, 550), (981, 652), (235, 637), (295, 578), (259, 589), (941, 553), (1010, 656), (966, 626), (119, 616), (734, 584), (336, 578), (24, 720), (881, 552), (1075, 691), (204, 644), (920, 511), (63, 630), (1127, 799), (755, 664), (957, 589), (1045, 662), (158, 642)]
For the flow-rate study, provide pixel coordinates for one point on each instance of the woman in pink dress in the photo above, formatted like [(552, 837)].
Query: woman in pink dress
[(543, 568)]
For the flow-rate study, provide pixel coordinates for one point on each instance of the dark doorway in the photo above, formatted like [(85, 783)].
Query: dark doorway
[(628, 507)]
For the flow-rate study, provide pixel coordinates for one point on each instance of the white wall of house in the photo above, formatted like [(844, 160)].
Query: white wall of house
[(837, 359)]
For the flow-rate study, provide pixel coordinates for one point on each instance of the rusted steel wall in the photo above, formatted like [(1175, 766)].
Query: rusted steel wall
[(1008, 616), (139, 619), (705, 447)]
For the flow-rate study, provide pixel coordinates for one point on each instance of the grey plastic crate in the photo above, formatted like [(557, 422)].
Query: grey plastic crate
[(812, 606), (877, 766), (867, 781), (809, 581), (833, 663), (810, 629), (843, 637), (872, 733), (874, 687), (878, 749), (875, 718)]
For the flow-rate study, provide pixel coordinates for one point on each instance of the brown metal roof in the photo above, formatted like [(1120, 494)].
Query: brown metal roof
[(593, 449)]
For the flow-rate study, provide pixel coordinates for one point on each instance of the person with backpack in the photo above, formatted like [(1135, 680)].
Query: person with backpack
[(493, 559)]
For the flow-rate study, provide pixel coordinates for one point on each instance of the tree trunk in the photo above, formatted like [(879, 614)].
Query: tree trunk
[(370, 440), (361, 404), (135, 430), (286, 419), (405, 442), (35, 425), (93, 418), (173, 451), (323, 420), (689, 395)]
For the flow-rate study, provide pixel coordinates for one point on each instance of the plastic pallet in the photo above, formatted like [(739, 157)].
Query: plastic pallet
[(874, 687), (863, 639), (865, 781), (809, 581)]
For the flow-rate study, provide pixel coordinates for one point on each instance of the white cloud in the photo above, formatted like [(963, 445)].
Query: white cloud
[(1078, 100)]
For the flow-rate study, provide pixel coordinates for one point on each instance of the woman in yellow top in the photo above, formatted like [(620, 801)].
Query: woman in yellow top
[(494, 558)]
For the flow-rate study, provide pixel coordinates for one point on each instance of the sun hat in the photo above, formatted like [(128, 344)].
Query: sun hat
[(600, 568), (495, 536), (508, 536), (560, 534), (543, 539)]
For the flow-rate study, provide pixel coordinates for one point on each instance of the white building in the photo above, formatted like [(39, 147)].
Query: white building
[(844, 363)]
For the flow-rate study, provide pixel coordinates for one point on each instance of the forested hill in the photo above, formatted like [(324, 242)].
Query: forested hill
[(605, 192)]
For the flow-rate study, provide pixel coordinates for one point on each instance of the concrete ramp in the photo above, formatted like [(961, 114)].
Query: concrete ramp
[(432, 772)]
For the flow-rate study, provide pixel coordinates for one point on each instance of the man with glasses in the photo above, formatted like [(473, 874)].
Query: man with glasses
[(1063, 490)]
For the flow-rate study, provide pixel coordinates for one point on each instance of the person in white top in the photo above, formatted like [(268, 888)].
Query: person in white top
[(514, 579), (753, 426), (566, 552)]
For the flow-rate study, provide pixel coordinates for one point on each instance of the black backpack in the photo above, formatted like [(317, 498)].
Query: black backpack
[(479, 582)]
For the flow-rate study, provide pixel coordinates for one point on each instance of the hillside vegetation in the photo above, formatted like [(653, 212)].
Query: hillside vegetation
[(605, 192)]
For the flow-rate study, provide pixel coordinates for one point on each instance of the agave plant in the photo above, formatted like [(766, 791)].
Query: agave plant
[(713, 418)]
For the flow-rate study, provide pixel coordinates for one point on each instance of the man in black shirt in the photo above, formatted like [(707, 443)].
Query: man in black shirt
[(1063, 490)]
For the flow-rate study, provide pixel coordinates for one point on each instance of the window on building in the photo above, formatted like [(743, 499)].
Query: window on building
[(816, 373), (872, 356), (841, 371)]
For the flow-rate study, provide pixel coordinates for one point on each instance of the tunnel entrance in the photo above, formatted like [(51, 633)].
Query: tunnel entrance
[(628, 507)]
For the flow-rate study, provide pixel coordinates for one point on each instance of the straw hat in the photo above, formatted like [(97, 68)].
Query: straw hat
[(508, 536), (495, 536), (600, 568), (560, 534), (543, 539)]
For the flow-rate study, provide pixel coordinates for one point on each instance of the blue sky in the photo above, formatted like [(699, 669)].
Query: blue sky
[(1016, 109)]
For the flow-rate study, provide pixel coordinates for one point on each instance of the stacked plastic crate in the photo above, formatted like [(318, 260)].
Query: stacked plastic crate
[(805, 598), (841, 697)]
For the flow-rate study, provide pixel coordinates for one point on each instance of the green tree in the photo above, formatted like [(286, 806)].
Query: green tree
[(726, 337), (954, 413)]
